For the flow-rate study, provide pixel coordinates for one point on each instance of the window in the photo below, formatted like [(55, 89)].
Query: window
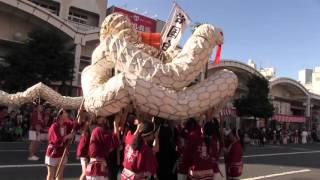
[(77, 17), (50, 7)]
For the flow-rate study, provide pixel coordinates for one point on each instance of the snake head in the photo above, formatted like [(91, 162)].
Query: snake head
[(218, 33), (213, 34)]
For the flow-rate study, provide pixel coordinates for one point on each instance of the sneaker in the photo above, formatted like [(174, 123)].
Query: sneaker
[(33, 158)]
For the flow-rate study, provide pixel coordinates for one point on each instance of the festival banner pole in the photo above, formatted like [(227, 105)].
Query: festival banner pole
[(73, 132)]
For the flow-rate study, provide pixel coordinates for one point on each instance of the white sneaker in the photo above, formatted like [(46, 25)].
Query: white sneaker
[(33, 158)]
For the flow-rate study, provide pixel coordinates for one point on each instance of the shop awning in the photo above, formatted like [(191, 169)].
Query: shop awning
[(289, 118), (228, 112)]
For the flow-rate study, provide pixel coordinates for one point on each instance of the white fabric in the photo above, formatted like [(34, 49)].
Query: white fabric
[(54, 161), (173, 29), (96, 178), (182, 176), (227, 132), (84, 161), (77, 138), (304, 135), (43, 136), (34, 135)]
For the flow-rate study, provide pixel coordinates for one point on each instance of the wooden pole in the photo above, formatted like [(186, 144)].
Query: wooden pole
[(222, 142), (67, 146)]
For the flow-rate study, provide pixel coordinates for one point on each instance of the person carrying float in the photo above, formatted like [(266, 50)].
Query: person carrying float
[(204, 154), (139, 155), (58, 134), (233, 155), (102, 142), (188, 137), (83, 145)]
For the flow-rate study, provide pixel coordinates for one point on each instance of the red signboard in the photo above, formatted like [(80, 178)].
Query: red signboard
[(140, 22)]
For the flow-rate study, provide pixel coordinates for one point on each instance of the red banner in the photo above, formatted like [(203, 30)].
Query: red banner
[(289, 118), (141, 23)]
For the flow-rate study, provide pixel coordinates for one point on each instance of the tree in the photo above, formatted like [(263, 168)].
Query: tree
[(257, 102), (43, 58)]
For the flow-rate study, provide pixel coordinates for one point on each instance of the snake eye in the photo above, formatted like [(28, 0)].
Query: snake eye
[(221, 33)]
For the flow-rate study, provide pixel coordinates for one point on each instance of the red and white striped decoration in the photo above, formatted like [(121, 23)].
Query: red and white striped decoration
[(228, 112), (289, 118)]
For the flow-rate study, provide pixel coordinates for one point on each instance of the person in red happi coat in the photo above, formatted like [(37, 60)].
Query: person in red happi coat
[(139, 157), (83, 145), (233, 155), (102, 142), (204, 154), (58, 134), (188, 137), (36, 126)]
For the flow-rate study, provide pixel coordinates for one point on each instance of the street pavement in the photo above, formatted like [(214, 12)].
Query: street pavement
[(276, 162)]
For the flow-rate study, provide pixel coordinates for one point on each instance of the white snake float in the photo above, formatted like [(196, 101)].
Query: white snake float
[(155, 81)]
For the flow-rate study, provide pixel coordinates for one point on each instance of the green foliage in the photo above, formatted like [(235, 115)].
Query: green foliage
[(257, 102), (43, 58)]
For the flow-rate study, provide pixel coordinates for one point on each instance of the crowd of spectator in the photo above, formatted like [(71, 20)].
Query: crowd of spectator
[(15, 123), (261, 136)]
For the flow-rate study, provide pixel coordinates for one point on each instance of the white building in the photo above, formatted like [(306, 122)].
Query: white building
[(305, 76), (268, 73), (252, 64), (310, 79)]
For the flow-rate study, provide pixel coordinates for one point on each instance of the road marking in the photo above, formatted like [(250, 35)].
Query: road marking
[(300, 149), (278, 174), (281, 154), (32, 165)]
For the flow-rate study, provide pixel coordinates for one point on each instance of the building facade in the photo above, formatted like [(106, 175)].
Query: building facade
[(77, 20), (294, 104)]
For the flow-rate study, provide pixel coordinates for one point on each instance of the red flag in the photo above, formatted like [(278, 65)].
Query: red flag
[(218, 53)]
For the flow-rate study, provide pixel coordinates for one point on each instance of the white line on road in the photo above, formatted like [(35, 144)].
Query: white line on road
[(32, 165), (300, 149), (281, 154), (278, 174)]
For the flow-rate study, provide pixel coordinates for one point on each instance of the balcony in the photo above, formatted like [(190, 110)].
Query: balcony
[(80, 26)]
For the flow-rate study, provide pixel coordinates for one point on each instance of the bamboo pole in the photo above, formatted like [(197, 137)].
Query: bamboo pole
[(222, 142)]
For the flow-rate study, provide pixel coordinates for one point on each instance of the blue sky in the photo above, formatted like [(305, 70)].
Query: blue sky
[(284, 34)]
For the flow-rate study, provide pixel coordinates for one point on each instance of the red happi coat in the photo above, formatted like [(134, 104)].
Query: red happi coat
[(184, 147), (56, 134), (233, 159), (102, 142), (138, 162), (203, 163), (37, 119), (83, 146)]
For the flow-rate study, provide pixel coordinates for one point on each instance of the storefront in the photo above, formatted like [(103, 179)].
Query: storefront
[(289, 121)]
